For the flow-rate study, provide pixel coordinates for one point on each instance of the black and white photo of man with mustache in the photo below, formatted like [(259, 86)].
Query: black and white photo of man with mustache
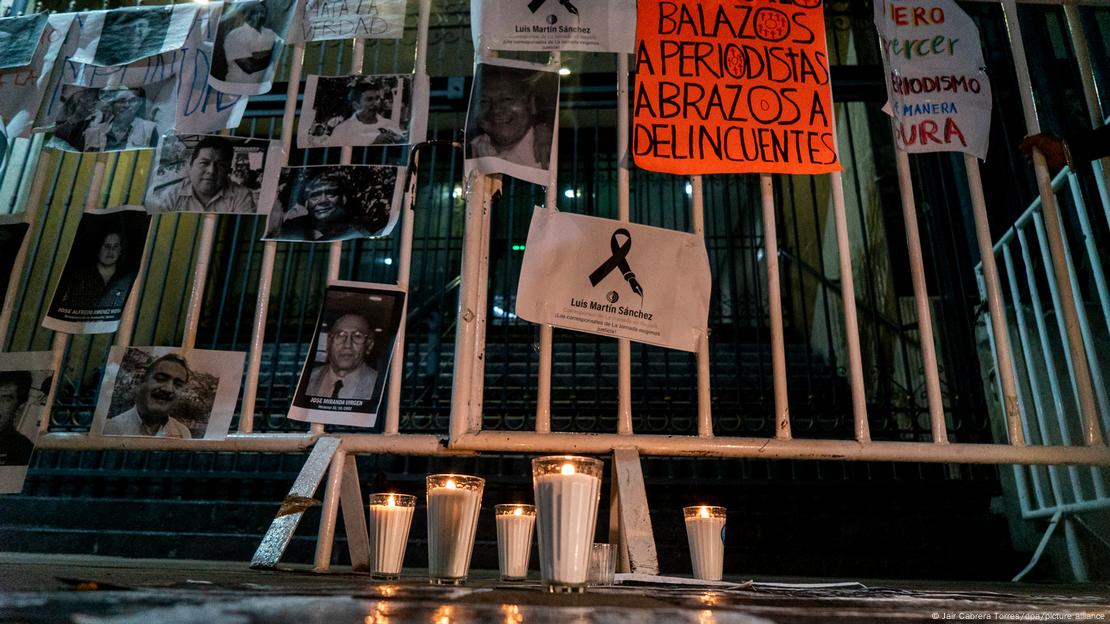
[(155, 399)]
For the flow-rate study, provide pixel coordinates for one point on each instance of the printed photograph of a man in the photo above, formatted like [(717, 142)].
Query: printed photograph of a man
[(19, 38), (109, 119), (334, 202), (248, 42), (168, 393), (98, 273), (511, 119), (210, 173), (25, 380), (356, 110), (344, 375), (132, 33)]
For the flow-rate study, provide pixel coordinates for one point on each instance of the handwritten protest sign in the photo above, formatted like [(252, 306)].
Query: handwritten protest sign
[(726, 87), (938, 90), (327, 20)]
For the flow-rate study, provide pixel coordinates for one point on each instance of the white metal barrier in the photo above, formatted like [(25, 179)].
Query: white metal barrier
[(466, 432)]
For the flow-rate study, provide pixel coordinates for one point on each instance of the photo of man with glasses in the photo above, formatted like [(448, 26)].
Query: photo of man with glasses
[(345, 376)]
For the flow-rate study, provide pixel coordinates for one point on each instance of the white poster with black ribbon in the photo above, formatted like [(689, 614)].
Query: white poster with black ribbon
[(615, 279)]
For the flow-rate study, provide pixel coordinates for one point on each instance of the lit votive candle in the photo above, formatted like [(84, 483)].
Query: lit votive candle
[(514, 539), (453, 505), (705, 531), (567, 491), (388, 525)]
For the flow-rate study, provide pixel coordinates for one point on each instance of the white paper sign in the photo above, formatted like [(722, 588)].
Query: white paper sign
[(123, 36), (938, 90), (327, 20), (22, 89), (615, 279), (540, 25)]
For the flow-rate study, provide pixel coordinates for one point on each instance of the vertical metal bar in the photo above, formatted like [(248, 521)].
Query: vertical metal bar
[(705, 399), (269, 253), (624, 213), (1091, 431), (1046, 349), (404, 264), (994, 302), (543, 381), (477, 197), (329, 510), (774, 302), (1090, 93), (200, 277), (851, 320), (921, 299)]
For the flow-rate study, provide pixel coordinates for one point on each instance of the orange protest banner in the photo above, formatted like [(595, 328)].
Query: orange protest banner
[(732, 87)]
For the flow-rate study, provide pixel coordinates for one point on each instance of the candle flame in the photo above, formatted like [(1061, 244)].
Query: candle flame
[(568, 469), (392, 502), (519, 511), (704, 512), (450, 485)]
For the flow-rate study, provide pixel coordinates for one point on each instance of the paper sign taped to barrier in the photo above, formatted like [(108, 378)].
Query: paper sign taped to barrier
[(615, 279), (725, 87), (542, 25)]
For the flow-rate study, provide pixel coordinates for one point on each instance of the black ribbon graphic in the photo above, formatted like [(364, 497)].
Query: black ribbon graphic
[(535, 5), (619, 260)]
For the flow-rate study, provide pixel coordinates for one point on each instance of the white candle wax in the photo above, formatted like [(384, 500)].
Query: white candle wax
[(514, 544), (452, 520), (389, 533), (707, 546), (566, 514)]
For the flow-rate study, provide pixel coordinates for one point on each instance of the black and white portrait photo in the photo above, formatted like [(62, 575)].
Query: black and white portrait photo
[(168, 392), (112, 119), (99, 272), (210, 173), (327, 203), (248, 43), (25, 380), (356, 110), (511, 118), (12, 232), (345, 372), (121, 36), (19, 39)]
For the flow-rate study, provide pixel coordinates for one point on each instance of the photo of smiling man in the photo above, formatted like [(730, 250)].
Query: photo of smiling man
[(334, 202), (210, 173), (167, 392)]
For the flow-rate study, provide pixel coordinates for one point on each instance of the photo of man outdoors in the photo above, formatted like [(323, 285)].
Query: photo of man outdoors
[(103, 119), (356, 110), (334, 202), (122, 124), (511, 118), (207, 185), (155, 398)]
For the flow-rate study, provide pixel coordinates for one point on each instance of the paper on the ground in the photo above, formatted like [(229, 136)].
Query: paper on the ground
[(631, 578)]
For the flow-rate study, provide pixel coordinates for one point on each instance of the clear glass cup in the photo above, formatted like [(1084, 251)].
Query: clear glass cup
[(567, 490), (453, 505), (603, 565), (705, 531), (388, 525), (515, 524)]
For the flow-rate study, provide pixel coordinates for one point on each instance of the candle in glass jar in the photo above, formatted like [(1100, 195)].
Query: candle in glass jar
[(567, 490), (388, 525), (514, 539), (453, 505), (705, 532)]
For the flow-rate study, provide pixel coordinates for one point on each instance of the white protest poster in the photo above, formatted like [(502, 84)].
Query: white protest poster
[(249, 40), (357, 110), (616, 279), (543, 25), (25, 380), (122, 36), (19, 39), (937, 85), (112, 119), (22, 89), (168, 392), (326, 20), (99, 272), (347, 367), (511, 119)]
